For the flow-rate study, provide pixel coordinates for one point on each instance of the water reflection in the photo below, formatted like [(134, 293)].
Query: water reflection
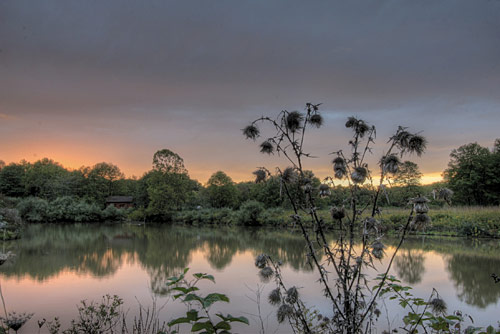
[(471, 276), (409, 265), (47, 250)]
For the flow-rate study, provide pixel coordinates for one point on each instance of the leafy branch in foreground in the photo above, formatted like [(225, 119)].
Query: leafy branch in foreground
[(429, 315), (353, 301), (198, 314)]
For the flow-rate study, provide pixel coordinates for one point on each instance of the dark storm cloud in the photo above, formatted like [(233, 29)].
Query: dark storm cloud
[(430, 64)]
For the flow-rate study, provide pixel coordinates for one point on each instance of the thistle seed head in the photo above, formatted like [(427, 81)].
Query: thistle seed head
[(292, 295), (316, 120), (306, 184), (294, 121), (445, 194), (420, 221), (251, 132), (274, 297), (284, 311), (260, 175), (420, 204), (339, 167), (421, 208), (266, 273), (419, 200), (351, 122), (261, 261), (340, 173), (372, 223), (359, 126), (359, 175), (337, 213), (324, 190), (390, 163), (266, 147), (338, 160), (417, 144), (289, 175), (438, 305), (402, 139), (378, 249)]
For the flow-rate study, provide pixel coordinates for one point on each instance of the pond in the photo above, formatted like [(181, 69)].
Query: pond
[(56, 266)]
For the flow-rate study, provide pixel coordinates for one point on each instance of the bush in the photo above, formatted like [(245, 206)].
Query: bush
[(137, 215), (85, 212), (273, 217), (250, 213), (111, 213), (62, 209), (33, 210)]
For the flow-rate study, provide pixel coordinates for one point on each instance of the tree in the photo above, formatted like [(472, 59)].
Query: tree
[(408, 178), (168, 184), (221, 191), (47, 179), (468, 174), (102, 181), (12, 180), (167, 192), (167, 161)]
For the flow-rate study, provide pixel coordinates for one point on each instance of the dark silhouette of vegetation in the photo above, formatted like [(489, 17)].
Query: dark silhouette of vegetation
[(352, 300), (472, 174)]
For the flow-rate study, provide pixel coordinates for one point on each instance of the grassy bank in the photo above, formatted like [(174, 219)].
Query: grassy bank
[(451, 221)]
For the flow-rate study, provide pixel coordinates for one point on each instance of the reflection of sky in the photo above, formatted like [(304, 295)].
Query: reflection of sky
[(58, 295), (83, 82)]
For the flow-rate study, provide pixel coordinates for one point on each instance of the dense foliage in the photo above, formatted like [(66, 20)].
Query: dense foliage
[(45, 191), (473, 175)]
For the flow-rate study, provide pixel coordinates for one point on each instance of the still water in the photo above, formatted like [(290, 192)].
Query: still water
[(55, 267)]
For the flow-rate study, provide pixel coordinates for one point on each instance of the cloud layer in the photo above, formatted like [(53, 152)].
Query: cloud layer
[(85, 81)]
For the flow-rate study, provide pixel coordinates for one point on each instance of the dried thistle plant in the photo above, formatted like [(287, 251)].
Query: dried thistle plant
[(352, 296)]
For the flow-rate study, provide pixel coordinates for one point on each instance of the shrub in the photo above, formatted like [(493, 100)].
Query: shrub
[(111, 213), (250, 213), (33, 210)]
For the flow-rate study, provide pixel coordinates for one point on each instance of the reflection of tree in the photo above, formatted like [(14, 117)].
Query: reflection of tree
[(409, 265), (471, 275), (220, 251), (163, 252), (46, 250)]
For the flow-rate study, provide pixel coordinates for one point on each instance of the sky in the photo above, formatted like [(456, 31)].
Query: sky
[(83, 82)]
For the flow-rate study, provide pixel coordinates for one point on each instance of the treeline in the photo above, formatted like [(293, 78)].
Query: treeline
[(45, 191), (473, 173)]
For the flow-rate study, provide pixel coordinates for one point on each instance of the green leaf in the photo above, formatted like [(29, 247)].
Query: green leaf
[(191, 297), (185, 290), (192, 315), (179, 321), (202, 325), (204, 276), (230, 318), (213, 298), (223, 325)]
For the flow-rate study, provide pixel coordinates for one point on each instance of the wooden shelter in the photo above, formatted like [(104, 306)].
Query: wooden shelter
[(120, 201)]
